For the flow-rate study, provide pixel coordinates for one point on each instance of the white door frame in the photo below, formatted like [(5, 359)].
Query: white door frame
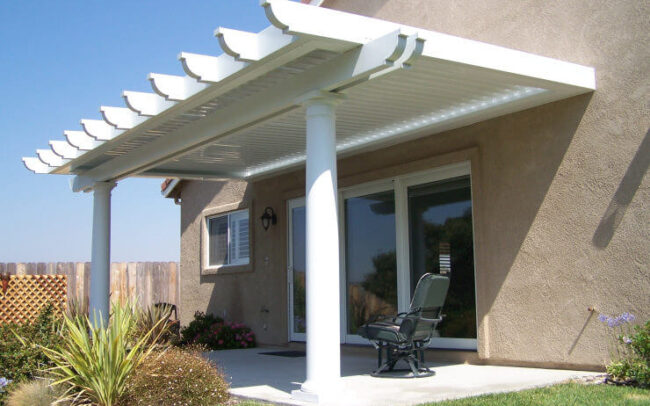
[(403, 236), (292, 204), (379, 186)]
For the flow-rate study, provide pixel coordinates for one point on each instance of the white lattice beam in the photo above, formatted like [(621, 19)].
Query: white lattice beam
[(250, 47), (65, 149), (81, 140), (210, 69), (36, 165), (300, 19), (121, 117), (174, 87), (100, 129), (337, 74), (48, 157), (146, 104)]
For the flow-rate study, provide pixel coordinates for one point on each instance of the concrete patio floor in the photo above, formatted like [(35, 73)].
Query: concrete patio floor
[(272, 378)]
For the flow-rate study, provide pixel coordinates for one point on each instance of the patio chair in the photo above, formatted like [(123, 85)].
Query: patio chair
[(406, 335)]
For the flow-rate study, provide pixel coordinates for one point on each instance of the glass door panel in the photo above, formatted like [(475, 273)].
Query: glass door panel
[(440, 231), (370, 262), (297, 267)]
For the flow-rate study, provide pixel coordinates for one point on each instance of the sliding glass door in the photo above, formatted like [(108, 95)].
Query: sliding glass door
[(369, 257), (296, 270), (440, 231), (392, 232)]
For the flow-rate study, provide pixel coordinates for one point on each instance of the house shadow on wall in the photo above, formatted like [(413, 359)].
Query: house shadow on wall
[(624, 194)]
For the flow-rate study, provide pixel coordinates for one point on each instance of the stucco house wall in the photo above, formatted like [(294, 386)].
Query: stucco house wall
[(560, 192)]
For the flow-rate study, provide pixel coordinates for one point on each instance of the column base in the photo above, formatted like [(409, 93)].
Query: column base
[(325, 392), (303, 396)]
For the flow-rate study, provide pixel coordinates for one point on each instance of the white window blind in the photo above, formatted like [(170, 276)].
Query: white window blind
[(228, 239), (239, 238)]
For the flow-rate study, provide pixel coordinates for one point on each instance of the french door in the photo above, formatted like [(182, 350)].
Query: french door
[(392, 232), (296, 270)]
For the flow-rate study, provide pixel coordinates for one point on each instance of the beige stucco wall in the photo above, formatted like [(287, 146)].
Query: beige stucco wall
[(561, 192)]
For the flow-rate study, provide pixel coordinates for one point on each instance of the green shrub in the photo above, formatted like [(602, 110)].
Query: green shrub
[(155, 321), (631, 360), (19, 362), (77, 308), (5, 386), (634, 368), (93, 363), (216, 334), (32, 393), (201, 323), (176, 376)]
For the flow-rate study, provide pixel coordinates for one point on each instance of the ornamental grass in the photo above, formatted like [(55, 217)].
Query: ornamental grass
[(93, 362), (176, 377)]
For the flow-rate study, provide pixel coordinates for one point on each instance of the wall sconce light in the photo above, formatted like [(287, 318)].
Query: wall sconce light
[(268, 218)]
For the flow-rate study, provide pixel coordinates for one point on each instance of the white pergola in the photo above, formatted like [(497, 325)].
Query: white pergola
[(267, 104)]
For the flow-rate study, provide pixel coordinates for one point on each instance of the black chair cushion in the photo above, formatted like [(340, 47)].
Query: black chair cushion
[(382, 331)]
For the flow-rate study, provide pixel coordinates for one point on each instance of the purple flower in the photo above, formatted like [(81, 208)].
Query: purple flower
[(627, 340), (4, 382), (628, 317), (616, 321)]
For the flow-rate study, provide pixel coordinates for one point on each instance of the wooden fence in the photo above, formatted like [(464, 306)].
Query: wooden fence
[(149, 282)]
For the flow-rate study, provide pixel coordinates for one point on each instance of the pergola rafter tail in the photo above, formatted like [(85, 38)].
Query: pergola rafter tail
[(36, 165), (81, 140), (121, 118), (146, 104), (48, 157), (246, 46), (101, 130), (209, 69), (65, 149)]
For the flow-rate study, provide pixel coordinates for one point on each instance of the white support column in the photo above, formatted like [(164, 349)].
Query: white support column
[(322, 256), (100, 266)]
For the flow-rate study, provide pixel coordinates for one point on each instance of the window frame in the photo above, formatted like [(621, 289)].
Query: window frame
[(239, 265)]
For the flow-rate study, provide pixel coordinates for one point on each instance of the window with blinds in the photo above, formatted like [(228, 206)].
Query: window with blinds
[(228, 239)]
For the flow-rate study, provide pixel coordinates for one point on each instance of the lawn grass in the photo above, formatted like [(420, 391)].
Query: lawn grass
[(572, 394), (565, 394)]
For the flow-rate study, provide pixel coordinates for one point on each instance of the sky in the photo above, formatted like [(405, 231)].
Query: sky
[(60, 61)]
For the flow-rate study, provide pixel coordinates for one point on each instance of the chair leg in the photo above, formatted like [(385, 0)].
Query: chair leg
[(389, 359), (413, 356), (412, 364), (379, 357)]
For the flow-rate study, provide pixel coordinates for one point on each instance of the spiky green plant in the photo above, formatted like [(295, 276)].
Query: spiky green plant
[(94, 361), (76, 307), (154, 319)]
